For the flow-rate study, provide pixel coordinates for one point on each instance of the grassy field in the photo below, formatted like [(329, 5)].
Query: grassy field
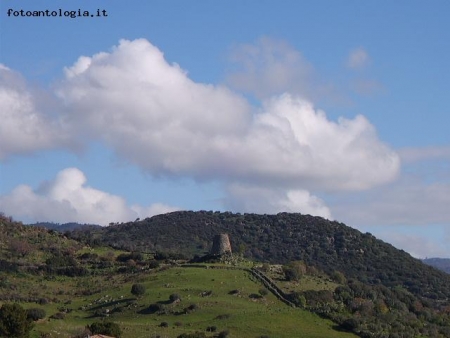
[(243, 312)]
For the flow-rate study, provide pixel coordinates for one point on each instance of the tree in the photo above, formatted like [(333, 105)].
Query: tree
[(138, 289), (20, 248), (14, 322), (294, 270)]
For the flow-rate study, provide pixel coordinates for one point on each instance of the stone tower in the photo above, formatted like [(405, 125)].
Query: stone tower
[(221, 245)]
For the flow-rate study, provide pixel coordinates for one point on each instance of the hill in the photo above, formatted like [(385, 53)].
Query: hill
[(328, 245), (439, 263), (65, 226), (67, 285), (360, 283)]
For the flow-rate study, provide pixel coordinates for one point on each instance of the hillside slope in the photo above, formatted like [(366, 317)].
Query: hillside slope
[(281, 238)]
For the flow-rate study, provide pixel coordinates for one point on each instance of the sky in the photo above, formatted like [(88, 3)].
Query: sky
[(337, 109)]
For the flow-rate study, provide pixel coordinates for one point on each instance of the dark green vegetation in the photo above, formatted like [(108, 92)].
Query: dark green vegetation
[(65, 226), (14, 322), (345, 279), (329, 246), (439, 263), (76, 287)]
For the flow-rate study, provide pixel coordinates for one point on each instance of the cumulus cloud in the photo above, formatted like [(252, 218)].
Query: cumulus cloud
[(25, 127), (358, 58), (245, 198), (153, 115), (69, 198)]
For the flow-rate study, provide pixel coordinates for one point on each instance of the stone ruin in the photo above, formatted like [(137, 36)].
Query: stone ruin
[(221, 245)]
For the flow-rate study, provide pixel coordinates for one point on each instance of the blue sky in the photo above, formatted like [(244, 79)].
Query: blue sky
[(338, 109)]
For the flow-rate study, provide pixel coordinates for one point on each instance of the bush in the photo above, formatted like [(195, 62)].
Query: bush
[(135, 256), (294, 270), (58, 315), (155, 307), (138, 289), (223, 334), (263, 292), (224, 316), (174, 297), (191, 308), (36, 314), (153, 264), (164, 324), (14, 322), (106, 328)]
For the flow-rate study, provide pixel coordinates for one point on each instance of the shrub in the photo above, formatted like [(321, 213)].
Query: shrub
[(106, 328), (58, 315), (192, 307), (153, 264), (294, 270), (224, 316), (223, 334), (135, 256), (155, 307), (14, 322), (174, 297), (164, 324), (263, 292), (36, 314), (138, 289)]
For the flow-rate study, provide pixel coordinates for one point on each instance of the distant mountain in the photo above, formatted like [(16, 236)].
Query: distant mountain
[(328, 245), (65, 227), (439, 263)]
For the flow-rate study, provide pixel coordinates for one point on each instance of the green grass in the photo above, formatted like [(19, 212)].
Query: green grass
[(241, 315)]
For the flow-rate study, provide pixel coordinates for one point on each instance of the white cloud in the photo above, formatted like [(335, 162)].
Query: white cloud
[(358, 58), (246, 198), (24, 128), (153, 115), (67, 198), (420, 196)]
